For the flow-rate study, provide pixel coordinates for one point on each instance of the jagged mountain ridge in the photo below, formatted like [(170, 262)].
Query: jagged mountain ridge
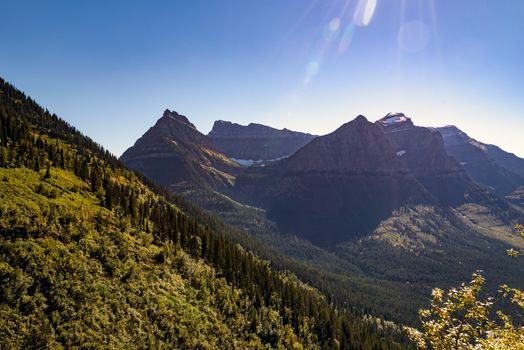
[(345, 183), (256, 142), (409, 165)]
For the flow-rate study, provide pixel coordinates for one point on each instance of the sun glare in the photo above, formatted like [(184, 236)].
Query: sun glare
[(364, 12)]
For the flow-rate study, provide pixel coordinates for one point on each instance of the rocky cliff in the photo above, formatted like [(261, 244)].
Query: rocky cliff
[(256, 142)]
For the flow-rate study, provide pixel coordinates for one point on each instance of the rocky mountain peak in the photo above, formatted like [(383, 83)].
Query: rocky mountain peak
[(356, 146), (360, 122), (453, 136), (174, 152), (394, 122), (170, 116), (360, 119), (220, 125)]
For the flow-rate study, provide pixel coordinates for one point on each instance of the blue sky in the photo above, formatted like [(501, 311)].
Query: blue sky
[(112, 67)]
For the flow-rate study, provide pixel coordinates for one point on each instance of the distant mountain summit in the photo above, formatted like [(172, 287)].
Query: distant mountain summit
[(500, 171), (422, 152), (176, 154), (256, 142), (395, 121), (354, 147)]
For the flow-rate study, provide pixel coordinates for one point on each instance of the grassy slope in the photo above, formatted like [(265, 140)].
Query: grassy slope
[(423, 248), (74, 274)]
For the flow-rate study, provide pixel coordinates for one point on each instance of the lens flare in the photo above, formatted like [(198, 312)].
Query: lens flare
[(413, 36), (332, 29), (364, 12), (311, 70), (334, 24), (347, 36)]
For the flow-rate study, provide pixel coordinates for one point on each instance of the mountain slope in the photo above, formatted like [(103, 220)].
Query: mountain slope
[(495, 169), (517, 197), (94, 255), (76, 285), (256, 142), (176, 154), (508, 160), (422, 152), (336, 188)]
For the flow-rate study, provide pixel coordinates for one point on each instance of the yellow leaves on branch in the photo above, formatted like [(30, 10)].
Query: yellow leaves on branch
[(460, 320), (512, 252), (520, 229)]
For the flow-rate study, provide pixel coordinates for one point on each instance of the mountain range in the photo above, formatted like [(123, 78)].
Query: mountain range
[(329, 242), (370, 205)]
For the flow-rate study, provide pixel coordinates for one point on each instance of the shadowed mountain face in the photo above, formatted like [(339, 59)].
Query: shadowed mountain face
[(422, 151), (500, 171), (506, 159), (341, 186), (256, 142), (336, 188), (177, 155), (517, 196)]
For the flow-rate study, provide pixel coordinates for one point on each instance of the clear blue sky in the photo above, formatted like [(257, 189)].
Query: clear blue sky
[(111, 67)]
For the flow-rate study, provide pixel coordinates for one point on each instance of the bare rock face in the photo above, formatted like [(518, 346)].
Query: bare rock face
[(175, 154), (508, 160), (256, 142), (500, 171), (420, 149)]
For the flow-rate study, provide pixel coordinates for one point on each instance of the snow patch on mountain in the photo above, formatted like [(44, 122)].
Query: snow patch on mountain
[(478, 144), (394, 118), (251, 162)]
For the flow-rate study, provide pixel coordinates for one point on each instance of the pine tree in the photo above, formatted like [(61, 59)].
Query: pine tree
[(48, 170)]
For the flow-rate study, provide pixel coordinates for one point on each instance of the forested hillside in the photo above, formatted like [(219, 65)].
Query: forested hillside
[(93, 255)]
